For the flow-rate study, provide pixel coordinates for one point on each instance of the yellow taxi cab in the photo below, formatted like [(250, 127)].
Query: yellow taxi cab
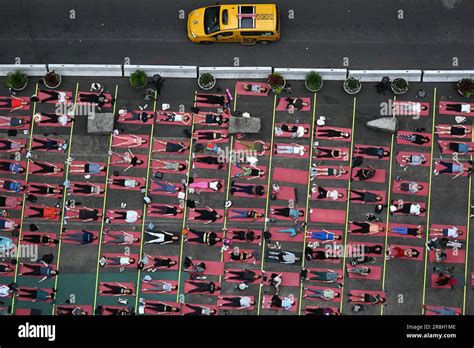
[(247, 24)]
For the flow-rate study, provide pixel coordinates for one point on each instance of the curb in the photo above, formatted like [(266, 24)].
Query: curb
[(300, 73), (377, 75), (256, 72)]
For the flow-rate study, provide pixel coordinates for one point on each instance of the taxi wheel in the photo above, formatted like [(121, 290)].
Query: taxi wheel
[(264, 42)]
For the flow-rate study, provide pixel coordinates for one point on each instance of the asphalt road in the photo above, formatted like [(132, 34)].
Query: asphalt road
[(322, 33)]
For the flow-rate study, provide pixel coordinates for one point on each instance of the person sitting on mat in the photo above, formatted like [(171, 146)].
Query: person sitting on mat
[(326, 194), (154, 263), (210, 135), (455, 167), (442, 310), (360, 271), (142, 116), (203, 288), (321, 311), (115, 289), (256, 145), (209, 238), (126, 183), (158, 286), (295, 103), (412, 187), (208, 215), (7, 121), (325, 171), (61, 120), (237, 255), (100, 99), (169, 165), (244, 275), (174, 117), (240, 302), (165, 210), (325, 294), (365, 173), (13, 103), (37, 238), (49, 144), (394, 252), (84, 214), (296, 131), (116, 261), (291, 149), (413, 160), (378, 152), (251, 190), (200, 310), (408, 231), (82, 237), (247, 236), (128, 140), (275, 281), (284, 257), (47, 168), (11, 145), (88, 189), (460, 148), (332, 133), (171, 147), (457, 131), (460, 107), (366, 298), (249, 172), (399, 207), (365, 196), (417, 139), (254, 88), (210, 119), (212, 99), (245, 214), (120, 238), (321, 152), (326, 276), (86, 168), (282, 302), (14, 168), (58, 96), (42, 269), (36, 294), (127, 158), (324, 235), (45, 213), (450, 232)]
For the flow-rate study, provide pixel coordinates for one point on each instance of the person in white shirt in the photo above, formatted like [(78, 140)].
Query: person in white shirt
[(5, 291), (326, 294), (284, 303), (406, 208), (451, 232), (126, 183), (460, 107), (240, 302), (293, 149), (175, 117), (326, 194), (58, 96), (403, 108), (116, 261), (129, 216)]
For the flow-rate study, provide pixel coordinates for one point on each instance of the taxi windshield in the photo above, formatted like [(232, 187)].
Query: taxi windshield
[(211, 20)]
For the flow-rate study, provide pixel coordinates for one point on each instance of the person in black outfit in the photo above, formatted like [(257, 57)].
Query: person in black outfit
[(365, 173), (165, 210), (70, 311), (162, 308), (244, 275), (365, 196), (251, 190), (208, 215), (378, 152), (88, 189), (53, 96), (115, 290), (82, 237), (322, 152), (46, 168), (209, 238), (372, 249), (142, 116), (248, 235), (333, 133), (198, 310), (45, 190), (39, 239), (203, 287), (211, 99), (48, 144), (211, 160), (99, 99)]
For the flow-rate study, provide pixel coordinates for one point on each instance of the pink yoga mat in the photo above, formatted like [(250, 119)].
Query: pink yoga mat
[(186, 310), (422, 192), (434, 278), (334, 309), (161, 115), (360, 146), (286, 193), (235, 170), (70, 232), (157, 167), (285, 236), (405, 153), (196, 135), (43, 95), (359, 292), (382, 194), (331, 216), (192, 214), (70, 213), (29, 212), (375, 273), (206, 181), (107, 95), (220, 303), (468, 134), (22, 269), (288, 135), (444, 104), (344, 150), (215, 268), (405, 142), (200, 104), (117, 221), (141, 182), (158, 146), (74, 187), (393, 225), (34, 167), (241, 91), (258, 210), (188, 287), (305, 155), (242, 194), (21, 141), (257, 232), (428, 312), (146, 286), (462, 228), (418, 248), (355, 227), (126, 118), (422, 205), (290, 175), (240, 147), (22, 165), (319, 133), (285, 218), (150, 311), (257, 272), (200, 165), (14, 202), (21, 182), (458, 257), (110, 240), (24, 108), (288, 278), (153, 207), (101, 173), (438, 167), (266, 304), (201, 121), (25, 125), (282, 104), (111, 255), (116, 141), (355, 249), (141, 157), (102, 287), (378, 177), (443, 143), (341, 177), (343, 190), (398, 108), (313, 287)]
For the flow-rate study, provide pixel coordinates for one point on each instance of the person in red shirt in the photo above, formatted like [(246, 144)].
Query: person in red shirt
[(445, 280), (13, 103), (398, 252)]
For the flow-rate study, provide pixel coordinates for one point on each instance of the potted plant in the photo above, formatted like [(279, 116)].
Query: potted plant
[(138, 79), (52, 79), (17, 80), (352, 85), (466, 87), (206, 81), (399, 85), (313, 82), (277, 82)]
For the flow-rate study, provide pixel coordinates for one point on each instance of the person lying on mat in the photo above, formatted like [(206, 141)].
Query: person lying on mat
[(256, 145), (456, 131), (37, 238), (165, 210), (394, 252), (198, 185), (102, 310), (292, 149), (126, 183), (441, 311), (362, 260), (127, 158), (116, 261), (321, 152), (288, 212), (365, 196), (162, 237), (378, 152), (366, 298), (10, 202), (296, 131), (412, 187), (61, 120), (326, 294), (293, 231), (444, 279), (41, 269), (245, 214), (251, 190), (413, 160), (171, 147), (203, 288), (169, 165), (86, 168), (143, 116), (239, 302), (417, 139), (324, 236), (316, 171), (13, 103), (208, 215), (115, 289), (326, 194), (399, 207), (36, 294), (82, 237), (456, 167), (6, 121), (282, 302), (212, 99), (244, 275), (321, 311), (210, 160), (408, 108), (450, 232), (460, 107), (47, 168), (49, 144), (119, 237), (322, 255), (326, 276), (295, 103), (6, 269), (58, 96), (200, 310), (161, 308), (210, 119), (275, 281), (285, 257), (210, 135), (361, 271), (209, 238), (460, 148), (237, 255), (12, 185), (14, 168), (332, 133), (85, 214), (246, 236), (443, 243), (128, 140), (368, 249), (365, 173), (88, 189), (159, 286), (8, 225), (154, 263), (11, 145), (70, 311), (408, 231), (44, 212), (249, 172), (99, 99), (174, 117), (189, 265), (254, 88)]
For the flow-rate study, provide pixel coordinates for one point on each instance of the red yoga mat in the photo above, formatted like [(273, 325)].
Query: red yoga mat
[(29, 212), (355, 227), (174, 267), (34, 167), (160, 116), (342, 177), (186, 310), (50, 235), (220, 303), (438, 167), (21, 163), (286, 193), (355, 249), (285, 236), (200, 165), (126, 118), (468, 132), (360, 146), (110, 240), (393, 225), (462, 228), (192, 214), (308, 278), (458, 256), (258, 210), (102, 287), (114, 215), (241, 91), (226, 256), (42, 95), (101, 173), (443, 143), (116, 141), (283, 104), (154, 186), (148, 310), (288, 278), (336, 232), (141, 157), (235, 170), (35, 143), (285, 218), (334, 309), (434, 278), (382, 194), (25, 125), (343, 150), (257, 232), (307, 293), (85, 308), (288, 134), (422, 192), (397, 108), (153, 207), (266, 301), (375, 273), (69, 232), (20, 293), (406, 142), (32, 189), (404, 153), (305, 155), (23, 269), (257, 272), (147, 286), (201, 104), (16, 200), (343, 190), (106, 95), (201, 121), (320, 133), (428, 312), (242, 194), (110, 255), (196, 135), (290, 175), (70, 213), (141, 185), (158, 146), (192, 235), (215, 268), (206, 180), (188, 287), (378, 177), (2, 180), (443, 105), (360, 292), (240, 147), (23, 108), (330, 216), (21, 141), (73, 187), (157, 167), (417, 248)]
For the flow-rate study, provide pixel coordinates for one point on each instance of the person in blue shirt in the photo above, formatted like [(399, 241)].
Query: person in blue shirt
[(14, 168), (12, 185), (324, 235)]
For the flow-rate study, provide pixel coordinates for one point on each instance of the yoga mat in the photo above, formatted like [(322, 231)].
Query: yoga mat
[(330, 216), (215, 268), (136, 188), (220, 303), (42, 95), (24, 108), (355, 227), (226, 256), (124, 118), (422, 205), (169, 171), (142, 157), (146, 286), (21, 298), (449, 151), (216, 141), (192, 235), (378, 177), (308, 293), (185, 310), (392, 234), (22, 127), (257, 272), (404, 153), (115, 221), (202, 104), (286, 193), (73, 187), (472, 279), (285, 218), (235, 170), (154, 186), (355, 249), (240, 147), (468, 134), (102, 287), (85, 308), (19, 201), (344, 150), (200, 165), (398, 110), (382, 194), (434, 278), (360, 146), (444, 104), (285, 236), (438, 167), (34, 143), (192, 213), (50, 124), (335, 309), (336, 232), (161, 115), (158, 146), (341, 177), (337, 270), (151, 262), (257, 232), (101, 173), (21, 182), (241, 91), (106, 95), (343, 190), (70, 232), (282, 104), (206, 180), (460, 227), (266, 304), (133, 256), (153, 207), (21, 141), (70, 213), (288, 278), (375, 273), (320, 136), (242, 194), (33, 167), (405, 142), (116, 141), (422, 192), (418, 248), (305, 155), (258, 210), (153, 312), (29, 211), (201, 121), (288, 134), (188, 287), (21, 163), (360, 292), (427, 312), (290, 175), (109, 240), (50, 235), (23, 269), (459, 257)]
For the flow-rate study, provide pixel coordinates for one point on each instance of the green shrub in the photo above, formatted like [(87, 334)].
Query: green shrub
[(314, 81), (16, 79), (466, 87), (138, 79)]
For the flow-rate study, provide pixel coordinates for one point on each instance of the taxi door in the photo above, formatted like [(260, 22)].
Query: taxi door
[(225, 36)]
